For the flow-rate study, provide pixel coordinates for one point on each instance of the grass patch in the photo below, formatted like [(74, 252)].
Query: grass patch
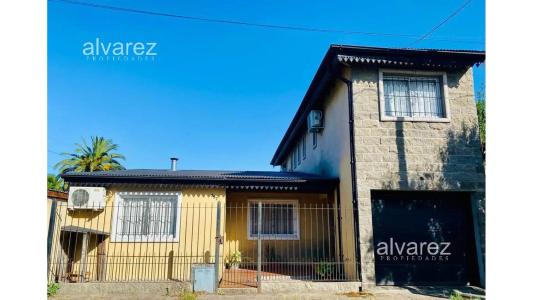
[(187, 296), (52, 289), (458, 296)]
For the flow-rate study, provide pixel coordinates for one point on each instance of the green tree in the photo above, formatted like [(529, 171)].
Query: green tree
[(98, 156), (480, 105), (55, 183)]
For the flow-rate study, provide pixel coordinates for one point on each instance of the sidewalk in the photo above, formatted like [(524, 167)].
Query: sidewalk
[(377, 293)]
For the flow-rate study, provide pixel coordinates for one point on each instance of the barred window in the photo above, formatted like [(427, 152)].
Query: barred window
[(413, 97), (145, 217), (279, 219)]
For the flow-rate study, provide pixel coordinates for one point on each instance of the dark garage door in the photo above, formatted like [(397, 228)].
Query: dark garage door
[(423, 238)]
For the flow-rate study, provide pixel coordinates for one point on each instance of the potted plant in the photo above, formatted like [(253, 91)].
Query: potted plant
[(233, 261)]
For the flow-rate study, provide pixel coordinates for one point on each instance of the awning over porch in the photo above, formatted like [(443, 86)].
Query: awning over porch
[(77, 229)]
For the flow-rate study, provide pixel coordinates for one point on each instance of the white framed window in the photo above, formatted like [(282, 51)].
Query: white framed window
[(304, 146), (293, 161), (146, 217), (413, 96), (280, 220), (299, 152)]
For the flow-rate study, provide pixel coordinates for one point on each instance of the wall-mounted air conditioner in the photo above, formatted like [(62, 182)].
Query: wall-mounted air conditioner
[(315, 121), (86, 198)]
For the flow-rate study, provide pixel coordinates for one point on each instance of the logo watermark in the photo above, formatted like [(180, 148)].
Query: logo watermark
[(413, 251), (99, 50)]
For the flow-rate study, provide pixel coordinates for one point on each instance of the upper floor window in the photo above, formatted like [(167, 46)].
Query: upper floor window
[(304, 150), (299, 152), (293, 157), (413, 96)]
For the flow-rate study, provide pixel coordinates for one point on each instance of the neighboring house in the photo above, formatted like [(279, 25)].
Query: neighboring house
[(52, 198), (381, 182)]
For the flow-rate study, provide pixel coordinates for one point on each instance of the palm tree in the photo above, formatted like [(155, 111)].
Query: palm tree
[(55, 183), (98, 156)]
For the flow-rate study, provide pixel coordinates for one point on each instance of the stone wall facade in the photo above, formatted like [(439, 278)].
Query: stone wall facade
[(401, 155)]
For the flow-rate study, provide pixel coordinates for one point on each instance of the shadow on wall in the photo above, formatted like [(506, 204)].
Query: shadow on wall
[(458, 166)]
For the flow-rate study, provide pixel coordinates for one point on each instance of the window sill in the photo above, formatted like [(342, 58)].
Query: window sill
[(272, 237), (411, 119), (144, 240)]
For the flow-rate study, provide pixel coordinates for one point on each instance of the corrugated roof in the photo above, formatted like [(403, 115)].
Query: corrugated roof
[(246, 180), (198, 174)]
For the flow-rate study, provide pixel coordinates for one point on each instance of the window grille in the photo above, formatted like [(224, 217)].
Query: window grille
[(413, 97), (146, 217), (280, 220)]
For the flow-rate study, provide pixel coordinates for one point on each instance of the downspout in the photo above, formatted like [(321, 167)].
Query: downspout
[(355, 202)]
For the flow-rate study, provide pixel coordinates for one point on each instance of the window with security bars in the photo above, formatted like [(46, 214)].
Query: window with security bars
[(413, 97), (146, 218), (279, 220)]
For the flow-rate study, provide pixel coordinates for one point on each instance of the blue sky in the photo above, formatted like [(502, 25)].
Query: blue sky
[(216, 96)]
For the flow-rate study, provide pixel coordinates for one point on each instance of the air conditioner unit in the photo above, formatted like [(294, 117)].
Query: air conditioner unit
[(86, 198), (315, 121)]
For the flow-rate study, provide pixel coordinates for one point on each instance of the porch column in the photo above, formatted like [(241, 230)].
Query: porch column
[(83, 259)]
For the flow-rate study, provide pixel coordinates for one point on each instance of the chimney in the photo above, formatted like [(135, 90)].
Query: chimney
[(173, 162)]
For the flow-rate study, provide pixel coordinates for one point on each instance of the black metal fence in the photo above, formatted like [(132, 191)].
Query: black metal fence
[(160, 239)]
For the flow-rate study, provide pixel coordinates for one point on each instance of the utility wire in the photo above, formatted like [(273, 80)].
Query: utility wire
[(448, 18), (54, 152), (260, 25)]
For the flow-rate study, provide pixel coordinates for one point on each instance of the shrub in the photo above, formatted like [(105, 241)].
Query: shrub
[(52, 289), (188, 296)]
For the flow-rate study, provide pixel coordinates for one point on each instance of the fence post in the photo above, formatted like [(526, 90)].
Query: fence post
[(218, 241), (259, 229)]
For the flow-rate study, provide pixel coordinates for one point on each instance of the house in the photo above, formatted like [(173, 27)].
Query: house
[(381, 182), (52, 198)]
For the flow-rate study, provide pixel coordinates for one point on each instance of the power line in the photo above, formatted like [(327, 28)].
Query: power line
[(251, 24), (448, 18), (54, 152)]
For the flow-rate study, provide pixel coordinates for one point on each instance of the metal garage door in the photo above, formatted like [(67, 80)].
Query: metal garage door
[(423, 238)]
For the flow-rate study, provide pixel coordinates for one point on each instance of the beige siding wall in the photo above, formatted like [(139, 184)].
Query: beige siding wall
[(316, 240), (331, 157), (139, 261)]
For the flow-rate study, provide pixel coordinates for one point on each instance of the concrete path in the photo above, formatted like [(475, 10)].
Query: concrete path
[(324, 296), (379, 293)]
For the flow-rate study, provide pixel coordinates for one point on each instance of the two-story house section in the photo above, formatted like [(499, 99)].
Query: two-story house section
[(399, 128)]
